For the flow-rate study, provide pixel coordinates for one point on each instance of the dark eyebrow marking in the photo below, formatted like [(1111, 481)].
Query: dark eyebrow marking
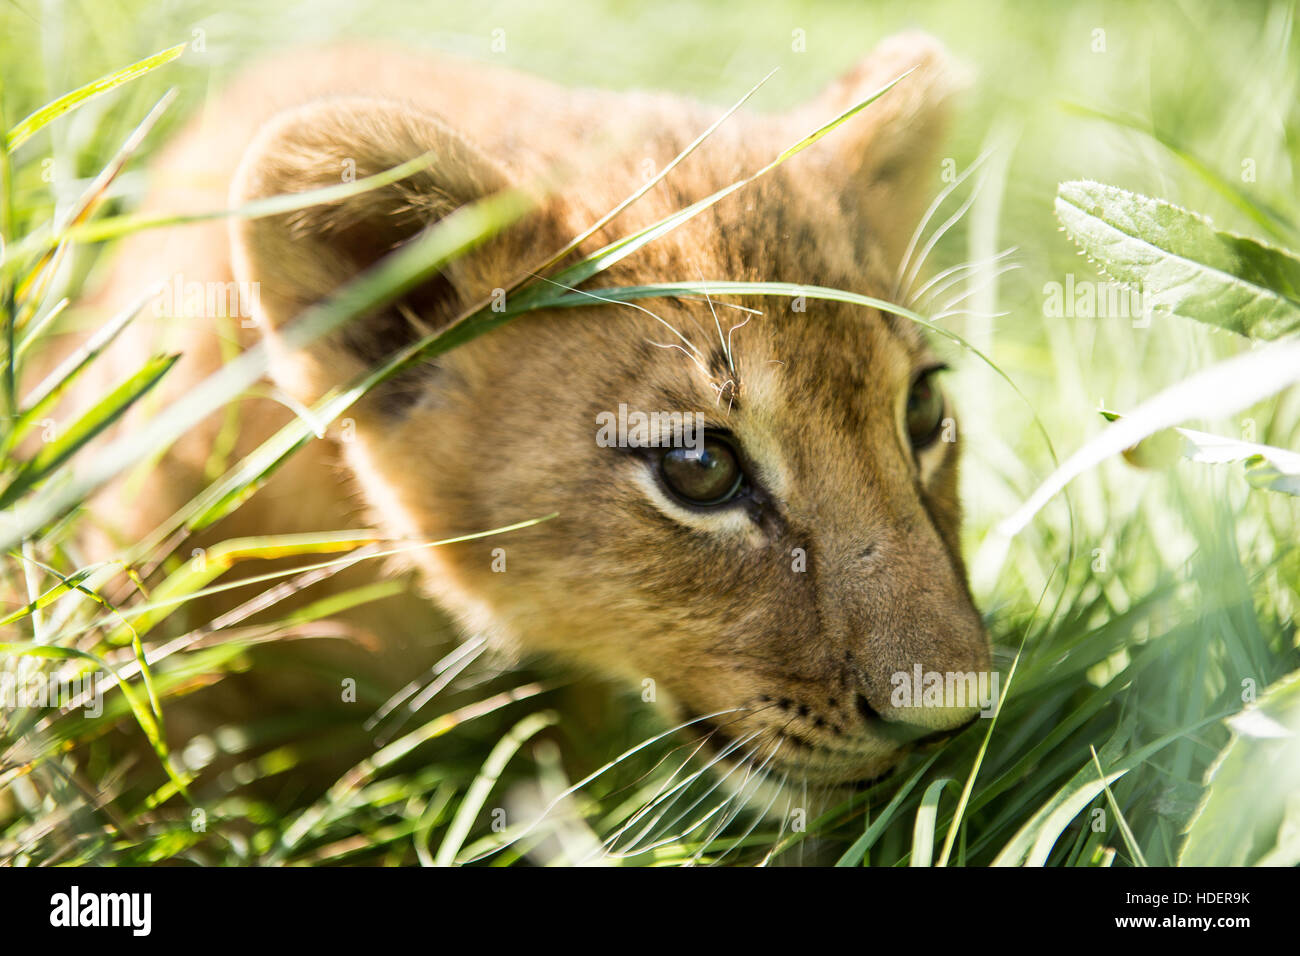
[(726, 380), (902, 328), (717, 363)]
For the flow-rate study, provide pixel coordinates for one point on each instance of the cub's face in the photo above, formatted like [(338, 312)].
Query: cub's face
[(774, 566)]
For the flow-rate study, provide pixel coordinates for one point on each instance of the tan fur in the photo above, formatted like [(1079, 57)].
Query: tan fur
[(623, 582)]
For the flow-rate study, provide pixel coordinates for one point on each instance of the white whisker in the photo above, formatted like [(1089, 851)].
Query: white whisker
[(758, 774), (957, 273), (678, 791), (674, 345), (574, 788), (780, 791), (971, 290), (716, 322), (730, 360), (939, 200), (938, 234)]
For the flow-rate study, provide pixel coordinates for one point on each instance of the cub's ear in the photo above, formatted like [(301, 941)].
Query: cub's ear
[(887, 155), (300, 257)]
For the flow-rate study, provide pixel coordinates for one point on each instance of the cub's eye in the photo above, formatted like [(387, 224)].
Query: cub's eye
[(705, 476), (924, 410)]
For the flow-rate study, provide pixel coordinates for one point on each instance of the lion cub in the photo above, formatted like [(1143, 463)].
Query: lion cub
[(772, 575)]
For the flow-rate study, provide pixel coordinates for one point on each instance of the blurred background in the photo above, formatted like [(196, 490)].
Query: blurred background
[(1155, 591)]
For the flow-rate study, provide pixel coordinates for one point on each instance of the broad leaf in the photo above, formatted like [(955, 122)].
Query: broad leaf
[(1182, 264), (1251, 809)]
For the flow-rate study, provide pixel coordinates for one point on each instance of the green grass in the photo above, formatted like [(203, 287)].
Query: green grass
[(1135, 616)]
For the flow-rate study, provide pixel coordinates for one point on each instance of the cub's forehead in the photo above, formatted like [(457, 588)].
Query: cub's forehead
[(844, 363), (830, 360)]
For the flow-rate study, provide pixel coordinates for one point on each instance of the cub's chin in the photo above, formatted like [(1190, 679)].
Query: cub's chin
[(767, 764)]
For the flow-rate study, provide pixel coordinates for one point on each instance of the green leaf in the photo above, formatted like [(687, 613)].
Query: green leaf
[(70, 101), (1251, 807), (1182, 264), (1266, 466), (1272, 471)]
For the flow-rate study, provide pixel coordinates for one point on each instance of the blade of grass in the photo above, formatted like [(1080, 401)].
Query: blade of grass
[(116, 227), (391, 277), (315, 816), (70, 583), (57, 382), (156, 603), (602, 259), (1129, 840), (472, 802), (8, 302), (39, 326), (85, 428), (654, 180), (31, 124), (858, 851), (923, 829), (142, 713), (43, 271), (1034, 841), (189, 580)]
